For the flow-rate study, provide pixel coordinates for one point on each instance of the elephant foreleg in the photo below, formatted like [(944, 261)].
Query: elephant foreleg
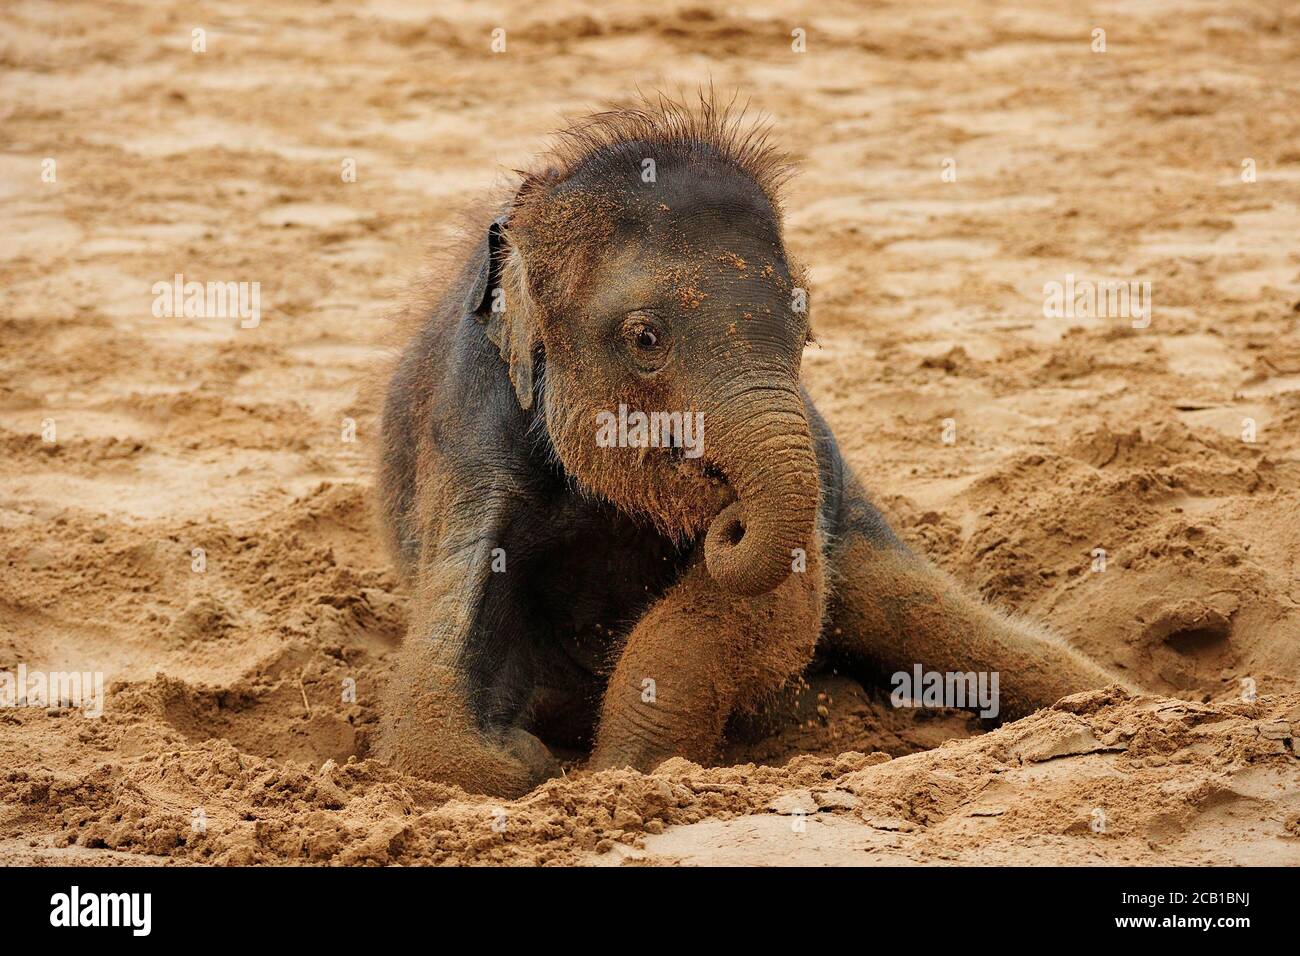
[(699, 654), (431, 731), (465, 672)]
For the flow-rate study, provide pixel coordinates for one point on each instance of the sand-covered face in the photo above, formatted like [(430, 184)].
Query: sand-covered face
[(672, 354)]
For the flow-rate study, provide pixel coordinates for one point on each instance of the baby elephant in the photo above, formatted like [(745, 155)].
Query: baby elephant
[(622, 519)]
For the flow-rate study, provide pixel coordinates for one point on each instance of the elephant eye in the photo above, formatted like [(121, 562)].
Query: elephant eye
[(645, 338)]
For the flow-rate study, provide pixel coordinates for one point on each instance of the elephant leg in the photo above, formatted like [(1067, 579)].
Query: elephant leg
[(700, 654), (457, 702), (892, 611), (432, 732)]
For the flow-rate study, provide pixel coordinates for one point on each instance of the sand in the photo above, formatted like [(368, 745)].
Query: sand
[(199, 532)]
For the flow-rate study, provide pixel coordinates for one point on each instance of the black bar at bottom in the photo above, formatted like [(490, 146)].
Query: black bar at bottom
[(301, 906)]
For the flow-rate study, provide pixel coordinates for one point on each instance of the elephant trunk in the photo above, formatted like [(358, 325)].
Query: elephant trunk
[(768, 458)]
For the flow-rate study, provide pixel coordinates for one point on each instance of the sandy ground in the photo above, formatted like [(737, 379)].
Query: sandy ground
[(229, 734)]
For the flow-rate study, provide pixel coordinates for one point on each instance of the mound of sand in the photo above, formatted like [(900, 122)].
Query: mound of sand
[(1101, 777), (183, 508)]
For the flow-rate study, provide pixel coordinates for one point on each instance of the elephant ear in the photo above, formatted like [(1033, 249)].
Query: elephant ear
[(504, 313)]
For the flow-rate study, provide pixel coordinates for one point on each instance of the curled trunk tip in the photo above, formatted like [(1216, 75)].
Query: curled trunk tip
[(732, 565), (768, 458)]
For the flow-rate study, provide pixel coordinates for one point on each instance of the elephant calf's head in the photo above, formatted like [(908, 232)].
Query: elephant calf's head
[(643, 280)]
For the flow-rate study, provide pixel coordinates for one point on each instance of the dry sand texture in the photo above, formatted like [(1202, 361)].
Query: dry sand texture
[(227, 736)]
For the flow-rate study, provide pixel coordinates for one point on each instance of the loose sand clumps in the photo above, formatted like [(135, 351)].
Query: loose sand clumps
[(1099, 778)]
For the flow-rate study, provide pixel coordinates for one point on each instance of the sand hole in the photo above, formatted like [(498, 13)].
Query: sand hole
[(1195, 641)]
